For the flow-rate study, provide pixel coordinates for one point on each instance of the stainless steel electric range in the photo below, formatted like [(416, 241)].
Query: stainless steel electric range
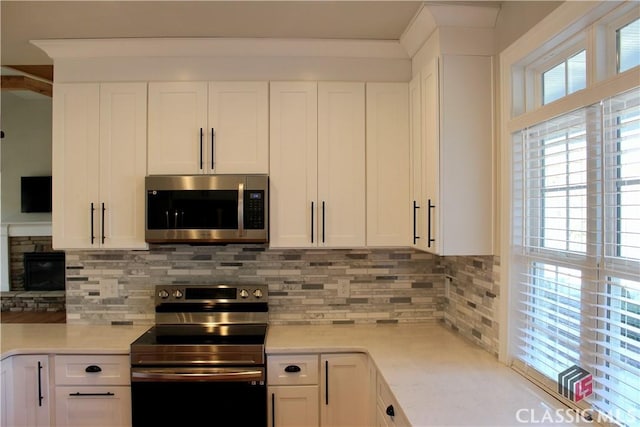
[(203, 363)]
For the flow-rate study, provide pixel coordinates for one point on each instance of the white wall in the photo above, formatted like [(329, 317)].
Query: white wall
[(26, 150), (518, 17)]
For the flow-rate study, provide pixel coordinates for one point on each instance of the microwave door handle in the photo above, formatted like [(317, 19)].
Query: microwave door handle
[(240, 209)]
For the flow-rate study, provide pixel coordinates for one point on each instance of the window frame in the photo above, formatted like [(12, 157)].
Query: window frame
[(520, 108)]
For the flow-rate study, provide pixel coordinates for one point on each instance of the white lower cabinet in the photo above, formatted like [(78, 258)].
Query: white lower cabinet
[(92, 391), (293, 406), (28, 398), (82, 406), (329, 390), (388, 411), (293, 390), (344, 390)]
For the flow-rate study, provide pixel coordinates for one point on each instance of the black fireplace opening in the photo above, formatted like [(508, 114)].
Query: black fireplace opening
[(44, 271)]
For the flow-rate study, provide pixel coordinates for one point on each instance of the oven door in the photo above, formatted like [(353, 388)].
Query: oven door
[(198, 396)]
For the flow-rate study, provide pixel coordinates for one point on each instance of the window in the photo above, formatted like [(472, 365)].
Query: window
[(577, 238), (567, 77), (628, 46)]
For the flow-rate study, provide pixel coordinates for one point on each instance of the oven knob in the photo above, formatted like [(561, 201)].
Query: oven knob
[(244, 293), (163, 294), (257, 293), (177, 293)]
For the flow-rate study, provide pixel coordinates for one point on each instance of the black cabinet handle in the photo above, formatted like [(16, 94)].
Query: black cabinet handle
[(415, 208), (92, 394), (40, 396), (273, 410), (201, 148), (390, 411), (292, 368), (326, 382), (323, 221), (102, 223), (93, 369), (311, 222), (91, 214), (429, 239), (212, 148)]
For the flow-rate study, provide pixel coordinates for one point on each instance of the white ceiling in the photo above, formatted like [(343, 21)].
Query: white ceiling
[(365, 20)]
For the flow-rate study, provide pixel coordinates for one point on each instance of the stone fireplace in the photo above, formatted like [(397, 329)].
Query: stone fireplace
[(45, 271)]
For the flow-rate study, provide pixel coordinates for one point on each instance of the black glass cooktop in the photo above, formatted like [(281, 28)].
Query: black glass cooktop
[(202, 334)]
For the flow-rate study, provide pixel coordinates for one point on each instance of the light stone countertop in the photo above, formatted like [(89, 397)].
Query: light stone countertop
[(60, 338), (437, 377)]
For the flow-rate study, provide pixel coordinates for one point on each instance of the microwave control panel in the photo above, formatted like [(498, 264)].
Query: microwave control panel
[(254, 209)]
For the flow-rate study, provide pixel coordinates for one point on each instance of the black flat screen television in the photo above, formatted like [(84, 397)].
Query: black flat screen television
[(35, 193)]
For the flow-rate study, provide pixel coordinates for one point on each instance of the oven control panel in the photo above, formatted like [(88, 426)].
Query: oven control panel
[(211, 293)]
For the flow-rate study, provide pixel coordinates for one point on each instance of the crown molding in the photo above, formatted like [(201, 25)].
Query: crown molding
[(220, 47)]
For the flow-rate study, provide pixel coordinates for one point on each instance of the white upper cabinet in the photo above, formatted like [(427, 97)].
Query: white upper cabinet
[(415, 153), (177, 127), (239, 121), (99, 165), (341, 164), (317, 156), (293, 176), (387, 161), (205, 128), (452, 184)]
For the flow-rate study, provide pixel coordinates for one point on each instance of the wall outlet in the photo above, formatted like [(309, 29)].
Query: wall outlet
[(344, 289), (109, 288)]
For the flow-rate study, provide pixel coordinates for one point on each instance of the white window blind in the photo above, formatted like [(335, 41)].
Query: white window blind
[(576, 251)]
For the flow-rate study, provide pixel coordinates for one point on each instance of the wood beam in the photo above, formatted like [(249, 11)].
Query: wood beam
[(26, 83), (42, 71)]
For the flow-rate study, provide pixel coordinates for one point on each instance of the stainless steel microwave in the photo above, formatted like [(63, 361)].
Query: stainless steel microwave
[(207, 208)]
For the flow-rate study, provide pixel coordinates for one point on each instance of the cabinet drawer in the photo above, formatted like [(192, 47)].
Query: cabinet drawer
[(292, 369), (97, 406), (385, 400), (92, 370)]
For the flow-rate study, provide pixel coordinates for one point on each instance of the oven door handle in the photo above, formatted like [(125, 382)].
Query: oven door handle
[(196, 374)]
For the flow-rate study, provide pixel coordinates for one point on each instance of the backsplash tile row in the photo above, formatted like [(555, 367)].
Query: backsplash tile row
[(305, 286)]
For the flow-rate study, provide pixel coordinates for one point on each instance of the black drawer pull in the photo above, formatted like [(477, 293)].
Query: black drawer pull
[(292, 368), (93, 369), (390, 411), (92, 394)]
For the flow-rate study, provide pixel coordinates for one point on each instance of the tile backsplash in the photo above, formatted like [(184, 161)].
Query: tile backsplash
[(306, 286)]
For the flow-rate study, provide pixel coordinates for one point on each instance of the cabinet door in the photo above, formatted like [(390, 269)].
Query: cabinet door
[(5, 391), (238, 130), (387, 154), (341, 164), (431, 156), (93, 406), (177, 128), (464, 225), (75, 165), (30, 395), (293, 164), (344, 391), (293, 406), (418, 219), (123, 164)]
